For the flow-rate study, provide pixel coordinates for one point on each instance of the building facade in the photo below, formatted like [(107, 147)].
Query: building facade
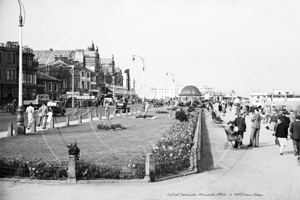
[(101, 71), (48, 85), (9, 73), (165, 92)]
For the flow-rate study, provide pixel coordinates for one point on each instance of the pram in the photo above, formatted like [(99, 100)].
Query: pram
[(232, 137)]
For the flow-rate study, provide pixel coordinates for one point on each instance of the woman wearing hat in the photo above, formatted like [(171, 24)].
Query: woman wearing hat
[(281, 134)]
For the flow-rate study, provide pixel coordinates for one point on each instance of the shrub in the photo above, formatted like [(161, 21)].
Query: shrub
[(88, 170), (172, 152), (187, 104), (196, 103), (180, 104), (112, 126), (33, 169), (190, 109), (181, 115)]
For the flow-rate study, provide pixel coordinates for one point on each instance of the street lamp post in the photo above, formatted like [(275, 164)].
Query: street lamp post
[(73, 85), (20, 127), (167, 73), (143, 59)]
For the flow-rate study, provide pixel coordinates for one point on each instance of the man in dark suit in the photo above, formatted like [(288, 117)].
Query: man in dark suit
[(255, 128), (295, 130), (241, 124), (286, 120)]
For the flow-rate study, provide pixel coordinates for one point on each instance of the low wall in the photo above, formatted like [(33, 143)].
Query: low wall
[(195, 156)]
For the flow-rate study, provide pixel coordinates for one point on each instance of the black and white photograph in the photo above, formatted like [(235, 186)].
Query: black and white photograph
[(149, 99)]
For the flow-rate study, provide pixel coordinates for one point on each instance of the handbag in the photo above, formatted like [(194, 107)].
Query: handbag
[(277, 141)]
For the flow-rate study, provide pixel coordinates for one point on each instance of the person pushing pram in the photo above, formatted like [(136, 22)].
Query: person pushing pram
[(232, 135)]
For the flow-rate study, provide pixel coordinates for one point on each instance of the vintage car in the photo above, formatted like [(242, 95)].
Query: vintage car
[(122, 106), (56, 107), (158, 104)]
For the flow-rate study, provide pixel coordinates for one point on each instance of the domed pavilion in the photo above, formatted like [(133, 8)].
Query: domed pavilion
[(190, 93)]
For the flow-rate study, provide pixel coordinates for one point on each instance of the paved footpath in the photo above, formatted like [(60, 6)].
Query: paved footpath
[(253, 173)]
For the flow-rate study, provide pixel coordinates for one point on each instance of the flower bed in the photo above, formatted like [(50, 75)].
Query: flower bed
[(172, 152), (88, 170), (144, 116), (34, 169), (85, 170), (113, 126), (162, 112)]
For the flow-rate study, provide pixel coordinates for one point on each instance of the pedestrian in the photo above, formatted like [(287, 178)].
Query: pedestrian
[(14, 106), (30, 111), (255, 128), (267, 113), (241, 124), (273, 121), (147, 106), (232, 136), (49, 117), (281, 134), (44, 115), (292, 116), (295, 135), (40, 116), (107, 113)]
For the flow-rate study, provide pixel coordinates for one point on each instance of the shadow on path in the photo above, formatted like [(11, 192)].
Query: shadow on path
[(207, 161)]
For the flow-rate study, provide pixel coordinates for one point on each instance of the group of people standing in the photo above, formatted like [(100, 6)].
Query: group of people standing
[(283, 124), (44, 116)]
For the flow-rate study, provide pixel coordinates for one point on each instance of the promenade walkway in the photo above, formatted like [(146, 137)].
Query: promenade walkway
[(253, 173)]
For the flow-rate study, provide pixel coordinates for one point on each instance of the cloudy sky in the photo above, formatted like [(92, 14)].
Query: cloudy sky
[(228, 44)]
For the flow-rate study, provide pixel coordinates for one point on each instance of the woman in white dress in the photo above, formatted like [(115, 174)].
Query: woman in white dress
[(49, 117), (30, 111)]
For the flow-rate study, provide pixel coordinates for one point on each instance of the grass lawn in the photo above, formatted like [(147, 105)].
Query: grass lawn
[(113, 147)]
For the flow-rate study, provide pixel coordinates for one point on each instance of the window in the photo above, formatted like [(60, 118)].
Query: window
[(13, 75), (8, 58), (82, 73), (88, 75), (55, 87), (8, 72), (50, 86), (88, 85), (82, 84), (34, 78), (29, 61), (24, 61), (27, 78), (24, 78), (45, 86), (77, 84), (13, 58), (64, 83)]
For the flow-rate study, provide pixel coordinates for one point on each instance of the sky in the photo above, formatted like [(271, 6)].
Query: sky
[(238, 45)]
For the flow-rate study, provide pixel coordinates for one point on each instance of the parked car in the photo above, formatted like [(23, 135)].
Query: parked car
[(158, 104), (122, 106), (57, 107)]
